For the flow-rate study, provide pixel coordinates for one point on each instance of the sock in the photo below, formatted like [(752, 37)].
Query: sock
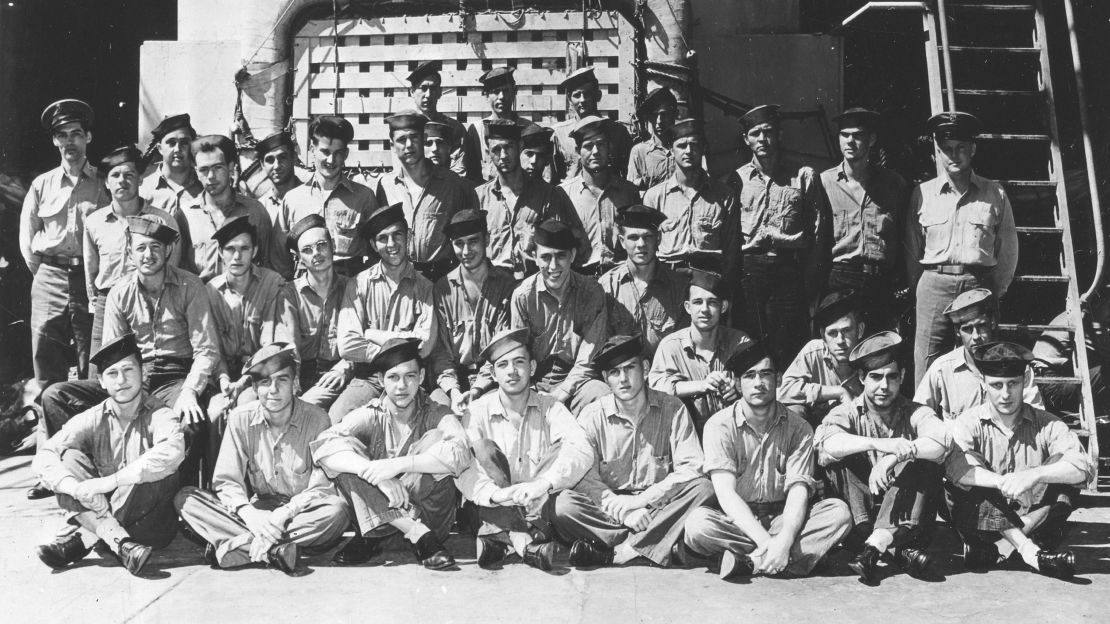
[(1029, 552), (623, 553), (881, 539), (416, 531), (520, 541)]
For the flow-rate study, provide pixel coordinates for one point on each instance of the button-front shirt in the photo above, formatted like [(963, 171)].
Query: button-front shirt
[(459, 145), (317, 320), (952, 386), (565, 159), (54, 212), (650, 163), (779, 211), (480, 166), (700, 219), (677, 359), (105, 249), (257, 460), (372, 301), (766, 464), (564, 334), (146, 448), (274, 201), (427, 212), (813, 367), (908, 421), (868, 219), (653, 312), (169, 196), (465, 329), (546, 426), (510, 227), (247, 321), (973, 229), (374, 433), (175, 323), (344, 208), (597, 209), (201, 253), (654, 453)]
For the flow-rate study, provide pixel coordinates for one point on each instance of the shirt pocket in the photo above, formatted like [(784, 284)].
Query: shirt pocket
[(982, 223), (934, 222), (787, 202), (669, 225), (707, 231), (54, 205), (662, 465)]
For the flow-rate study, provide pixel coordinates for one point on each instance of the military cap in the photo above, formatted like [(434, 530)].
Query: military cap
[(640, 216), (172, 123), (588, 126), (746, 357), (436, 129), (686, 127), (270, 359), (424, 70), (616, 351), (119, 156), (834, 306), (970, 304), (66, 111), (497, 77), (466, 222), (303, 225), (875, 351), (225, 145), (954, 125), (382, 218), (710, 281), (577, 78), (502, 129), (115, 351), (1001, 359), (332, 127), (505, 341), (234, 227), (660, 96), (536, 136), (273, 142), (857, 117), (394, 352), (407, 120), (766, 113), (149, 227), (556, 235)]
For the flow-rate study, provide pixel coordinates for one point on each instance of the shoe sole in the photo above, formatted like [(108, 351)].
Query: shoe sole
[(441, 566), (287, 558), (730, 564), (542, 558)]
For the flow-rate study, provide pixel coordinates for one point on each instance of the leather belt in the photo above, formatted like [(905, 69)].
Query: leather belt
[(62, 262), (868, 268), (955, 269)]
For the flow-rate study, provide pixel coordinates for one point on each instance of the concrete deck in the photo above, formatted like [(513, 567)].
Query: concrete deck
[(181, 588)]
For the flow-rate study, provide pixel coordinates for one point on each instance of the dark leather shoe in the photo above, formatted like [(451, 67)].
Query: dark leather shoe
[(735, 565), (491, 553), (283, 556), (38, 492), (62, 552), (588, 554), (540, 556), (358, 550), (913, 561), (1059, 564), (683, 557), (865, 564), (432, 553), (210, 556), (980, 557), (134, 555)]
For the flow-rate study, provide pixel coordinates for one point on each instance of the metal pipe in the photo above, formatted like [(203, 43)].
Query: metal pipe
[(1088, 152), (886, 6), (947, 55)]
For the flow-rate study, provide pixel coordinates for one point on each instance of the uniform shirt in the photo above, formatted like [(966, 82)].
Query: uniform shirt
[(147, 448), (105, 248), (274, 202), (459, 145), (813, 367), (565, 160), (909, 421), (652, 313), (317, 320), (465, 330), (201, 253), (480, 166), (766, 465), (545, 424), (781, 211), (699, 219), (427, 213), (260, 315), (374, 433), (677, 360), (178, 323), (373, 302), (54, 212), (344, 208), (866, 227), (597, 210), (650, 163), (510, 227), (951, 386), (653, 454), (564, 335), (168, 196), (258, 461), (973, 229)]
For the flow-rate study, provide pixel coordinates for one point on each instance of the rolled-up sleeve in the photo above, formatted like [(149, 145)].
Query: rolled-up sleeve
[(837, 421), (453, 451), (347, 435), (353, 345), (926, 425), (799, 463), (575, 453), (798, 386), (667, 368), (75, 434), (964, 454), (719, 443), (1063, 442)]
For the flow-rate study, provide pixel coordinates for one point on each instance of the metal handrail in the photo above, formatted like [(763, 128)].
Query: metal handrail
[(946, 54)]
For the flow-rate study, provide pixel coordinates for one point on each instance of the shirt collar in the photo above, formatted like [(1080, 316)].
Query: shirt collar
[(988, 414), (258, 415), (742, 412), (687, 339), (975, 181), (314, 182), (572, 283), (497, 410), (301, 283), (609, 409), (376, 272)]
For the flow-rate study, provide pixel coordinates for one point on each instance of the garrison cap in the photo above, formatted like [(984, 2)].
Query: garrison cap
[(65, 111), (497, 77), (836, 305), (436, 129), (686, 127), (588, 126), (748, 356), (115, 351), (577, 78), (502, 129), (1001, 359), (955, 125), (332, 127), (234, 227), (310, 222), (660, 96), (119, 156), (172, 124), (394, 352), (640, 216), (149, 227), (615, 351), (425, 70), (466, 222), (857, 117), (875, 351), (536, 136), (381, 219), (970, 304), (556, 235), (273, 142), (505, 341), (710, 281), (766, 113), (407, 120), (270, 359)]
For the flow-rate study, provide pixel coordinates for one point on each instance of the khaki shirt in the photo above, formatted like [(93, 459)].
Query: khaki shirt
[(465, 330), (780, 211), (201, 253), (53, 218), (813, 367), (429, 212), (866, 227), (317, 320), (652, 313), (597, 210), (105, 248), (344, 208), (952, 386), (510, 227), (909, 421), (649, 163), (168, 196), (372, 301), (565, 160), (677, 359), (247, 321), (700, 219)]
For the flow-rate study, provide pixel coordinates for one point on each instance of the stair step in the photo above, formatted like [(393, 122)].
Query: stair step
[(1012, 137), (995, 92), (1039, 230), (1058, 279), (1034, 327), (962, 6), (1004, 50), (1028, 183)]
